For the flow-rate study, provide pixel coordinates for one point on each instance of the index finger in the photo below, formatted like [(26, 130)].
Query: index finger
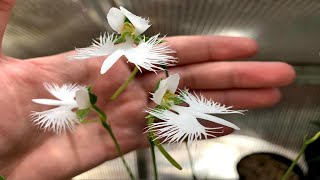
[(195, 49)]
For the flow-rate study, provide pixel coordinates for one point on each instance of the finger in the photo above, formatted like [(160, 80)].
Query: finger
[(242, 98), (227, 75), (5, 7), (245, 98), (195, 49)]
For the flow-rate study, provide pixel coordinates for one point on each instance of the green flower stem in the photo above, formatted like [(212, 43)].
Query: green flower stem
[(165, 70), (303, 148), (103, 119), (194, 177), (153, 155), (161, 149), (88, 121), (125, 84)]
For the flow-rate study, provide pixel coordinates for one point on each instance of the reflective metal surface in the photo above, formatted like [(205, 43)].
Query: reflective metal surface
[(287, 30)]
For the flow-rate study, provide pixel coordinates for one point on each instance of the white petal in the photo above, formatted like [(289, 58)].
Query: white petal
[(116, 19), (201, 104), (160, 92), (173, 82), (52, 102), (111, 60), (214, 119), (150, 55), (83, 99), (59, 120), (178, 127), (103, 47), (139, 23), (65, 93), (170, 83)]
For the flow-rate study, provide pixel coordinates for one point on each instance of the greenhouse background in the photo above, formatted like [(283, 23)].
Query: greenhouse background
[(286, 30)]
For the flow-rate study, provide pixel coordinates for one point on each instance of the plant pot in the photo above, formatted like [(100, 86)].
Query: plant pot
[(266, 166)]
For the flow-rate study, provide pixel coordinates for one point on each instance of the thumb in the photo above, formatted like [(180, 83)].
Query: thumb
[(5, 8)]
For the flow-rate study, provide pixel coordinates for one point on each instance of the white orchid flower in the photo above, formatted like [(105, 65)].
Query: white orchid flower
[(149, 55), (169, 84), (182, 122), (116, 19), (176, 127), (61, 118)]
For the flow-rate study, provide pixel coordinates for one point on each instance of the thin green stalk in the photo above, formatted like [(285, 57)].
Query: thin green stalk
[(125, 84), (303, 148), (86, 121), (194, 177), (161, 149), (153, 155), (165, 70), (154, 161), (103, 119)]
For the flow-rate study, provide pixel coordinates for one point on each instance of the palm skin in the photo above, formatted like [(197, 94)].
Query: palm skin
[(26, 152)]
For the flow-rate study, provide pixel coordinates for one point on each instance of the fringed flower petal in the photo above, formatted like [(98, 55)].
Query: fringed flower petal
[(58, 120), (203, 105), (178, 127), (151, 55), (61, 118), (103, 47), (203, 116)]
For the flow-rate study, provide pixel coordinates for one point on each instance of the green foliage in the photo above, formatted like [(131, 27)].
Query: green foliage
[(160, 147), (82, 113), (93, 97), (157, 85), (303, 148), (2, 178)]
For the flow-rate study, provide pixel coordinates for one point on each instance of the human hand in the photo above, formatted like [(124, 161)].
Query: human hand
[(28, 153)]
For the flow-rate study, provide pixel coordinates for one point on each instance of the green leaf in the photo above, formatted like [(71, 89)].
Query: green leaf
[(167, 155), (93, 97), (82, 113), (157, 85), (2, 178), (161, 149)]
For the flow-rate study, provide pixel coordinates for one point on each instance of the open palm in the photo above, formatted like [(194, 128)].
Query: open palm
[(29, 153)]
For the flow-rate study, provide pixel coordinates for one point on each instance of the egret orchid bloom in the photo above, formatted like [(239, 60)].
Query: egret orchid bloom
[(116, 19), (168, 85), (70, 97), (150, 55), (183, 122)]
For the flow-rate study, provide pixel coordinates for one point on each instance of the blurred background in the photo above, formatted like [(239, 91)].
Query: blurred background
[(286, 30)]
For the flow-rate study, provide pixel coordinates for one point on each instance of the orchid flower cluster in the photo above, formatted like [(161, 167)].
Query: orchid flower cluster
[(178, 114)]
